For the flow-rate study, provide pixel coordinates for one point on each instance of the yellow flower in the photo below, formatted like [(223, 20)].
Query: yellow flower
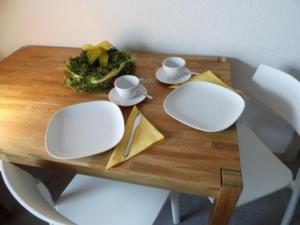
[(98, 52)]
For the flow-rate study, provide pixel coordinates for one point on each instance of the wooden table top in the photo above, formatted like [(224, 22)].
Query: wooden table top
[(189, 161)]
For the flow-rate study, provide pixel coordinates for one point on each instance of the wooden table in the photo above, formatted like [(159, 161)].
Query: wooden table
[(189, 161)]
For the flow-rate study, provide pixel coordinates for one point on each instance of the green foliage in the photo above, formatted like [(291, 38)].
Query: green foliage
[(83, 77)]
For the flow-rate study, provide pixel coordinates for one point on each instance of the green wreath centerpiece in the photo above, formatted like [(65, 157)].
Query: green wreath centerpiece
[(97, 67)]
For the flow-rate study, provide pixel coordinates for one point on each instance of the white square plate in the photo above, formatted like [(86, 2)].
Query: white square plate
[(84, 129), (204, 106)]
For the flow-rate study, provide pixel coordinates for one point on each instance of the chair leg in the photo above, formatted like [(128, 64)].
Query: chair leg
[(289, 212), (174, 196)]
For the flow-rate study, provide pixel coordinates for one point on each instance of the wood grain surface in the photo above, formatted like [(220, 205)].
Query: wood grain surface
[(189, 161)]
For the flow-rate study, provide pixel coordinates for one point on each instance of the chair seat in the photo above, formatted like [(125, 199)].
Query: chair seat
[(95, 201), (262, 172)]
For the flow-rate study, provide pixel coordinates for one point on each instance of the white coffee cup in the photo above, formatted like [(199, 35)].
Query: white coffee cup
[(127, 86), (173, 66)]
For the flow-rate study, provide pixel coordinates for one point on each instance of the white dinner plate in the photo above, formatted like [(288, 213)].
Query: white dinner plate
[(204, 106), (84, 129), (164, 78)]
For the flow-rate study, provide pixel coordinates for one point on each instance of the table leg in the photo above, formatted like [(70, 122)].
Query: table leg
[(224, 205)]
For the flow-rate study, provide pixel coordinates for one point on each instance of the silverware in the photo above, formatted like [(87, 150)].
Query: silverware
[(145, 94), (136, 123)]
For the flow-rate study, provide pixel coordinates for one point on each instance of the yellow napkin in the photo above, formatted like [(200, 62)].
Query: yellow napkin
[(209, 77), (146, 136)]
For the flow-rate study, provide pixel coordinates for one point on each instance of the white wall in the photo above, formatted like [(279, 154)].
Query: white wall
[(251, 32)]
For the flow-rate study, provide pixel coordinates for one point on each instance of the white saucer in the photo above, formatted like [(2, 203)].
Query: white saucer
[(117, 99), (162, 77)]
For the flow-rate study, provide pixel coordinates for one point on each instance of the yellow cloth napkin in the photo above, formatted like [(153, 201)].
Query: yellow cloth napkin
[(209, 77), (146, 136)]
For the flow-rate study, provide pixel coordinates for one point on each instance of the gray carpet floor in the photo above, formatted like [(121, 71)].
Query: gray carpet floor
[(194, 210)]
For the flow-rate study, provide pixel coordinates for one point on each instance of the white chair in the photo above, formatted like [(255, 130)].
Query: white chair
[(274, 90), (262, 172), (86, 200)]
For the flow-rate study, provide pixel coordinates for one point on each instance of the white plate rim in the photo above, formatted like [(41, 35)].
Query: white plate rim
[(84, 155), (196, 127)]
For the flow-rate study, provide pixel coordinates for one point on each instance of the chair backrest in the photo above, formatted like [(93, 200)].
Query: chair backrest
[(24, 188), (281, 92)]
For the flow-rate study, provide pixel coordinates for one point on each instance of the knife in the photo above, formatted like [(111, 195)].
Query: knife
[(136, 123)]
